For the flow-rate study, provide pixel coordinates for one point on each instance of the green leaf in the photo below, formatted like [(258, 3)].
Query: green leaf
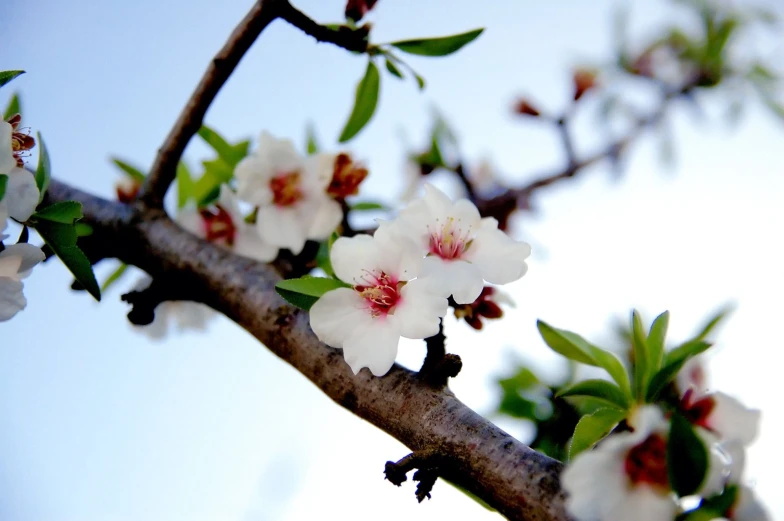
[(65, 212), (6, 76), (639, 344), (83, 229), (437, 46), (14, 107), (114, 277), (61, 238), (185, 185), (3, 184), (574, 347), (305, 291), (43, 173), (656, 337), (207, 189), (566, 343), (420, 80), (365, 206), (522, 380), (602, 390), (323, 255), (714, 321), (593, 427), (231, 154), (687, 457), (364, 104), (673, 363), (133, 172), (393, 69), (312, 142)]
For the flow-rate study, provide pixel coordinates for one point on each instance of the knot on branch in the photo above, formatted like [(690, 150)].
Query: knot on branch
[(426, 474), (144, 300), (439, 365)]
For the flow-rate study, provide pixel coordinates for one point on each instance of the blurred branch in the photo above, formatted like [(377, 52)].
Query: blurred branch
[(188, 123), (354, 40), (473, 453)]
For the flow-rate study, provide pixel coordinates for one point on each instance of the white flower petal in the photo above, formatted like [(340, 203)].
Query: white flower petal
[(253, 175), (7, 159), (12, 300), (318, 170), (420, 308), (353, 257), (28, 256), (228, 201), (641, 503), (458, 278), (327, 217), (248, 244), (336, 314), (21, 194), (438, 203), (748, 508), (191, 221), (372, 344), (731, 420), (499, 258), (281, 154), (282, 227), (9, 265)]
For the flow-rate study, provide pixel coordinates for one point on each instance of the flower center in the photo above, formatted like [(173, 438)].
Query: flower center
[(218, 225), (697, 411), (346, 177), (449, 240), (382, 293), (286, 189), (21, 141), (647, 462)]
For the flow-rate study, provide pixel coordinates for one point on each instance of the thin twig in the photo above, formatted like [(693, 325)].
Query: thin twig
[(190, 120), (354, 40)]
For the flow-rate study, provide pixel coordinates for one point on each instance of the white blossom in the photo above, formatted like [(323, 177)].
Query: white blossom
[(16, 263), (21, 197), (463, 250), (383, 304), (721, 414), (289, 191), (226, 226), (625, 476)]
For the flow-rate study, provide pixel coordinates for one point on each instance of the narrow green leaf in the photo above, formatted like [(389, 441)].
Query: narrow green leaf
[(133, 172), (393, 69), (673, 363), (312, 142), (602, 390), (714, 321), (612, 364), (369, 205), (566, 343), (365, 103), (687, 457), (114, 277), (656, 337), (722, 503), (3, 184), (593, 427), (323, 259), (420, 81), (225, 151), (442, 46), (14, 107), (65, 212), (43, 173), (6, 76), (305, 291), (61, 238), (640, 350), (185, 185)]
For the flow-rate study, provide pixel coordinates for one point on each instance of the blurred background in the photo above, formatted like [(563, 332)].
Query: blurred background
[(99, 422)]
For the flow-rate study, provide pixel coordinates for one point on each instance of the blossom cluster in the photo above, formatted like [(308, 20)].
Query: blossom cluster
[(18, 201), (398, 280), (638, 471)]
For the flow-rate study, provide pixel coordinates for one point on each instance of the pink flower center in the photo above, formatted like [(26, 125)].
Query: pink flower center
[(647, 463), (286, 189), (382, 293), (449, 240), (218, 225)]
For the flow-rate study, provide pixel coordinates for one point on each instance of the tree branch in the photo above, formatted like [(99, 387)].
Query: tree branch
[(519, 482), (354, 40), (190, 120)]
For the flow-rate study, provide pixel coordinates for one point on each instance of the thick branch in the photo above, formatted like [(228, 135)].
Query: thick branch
[(190, 120), (521, 483)]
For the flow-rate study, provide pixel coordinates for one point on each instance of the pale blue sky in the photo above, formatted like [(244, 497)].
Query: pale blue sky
[(99, 423)]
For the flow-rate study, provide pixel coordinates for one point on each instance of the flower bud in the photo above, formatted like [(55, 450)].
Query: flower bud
[(584, 80), (524, 108)]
